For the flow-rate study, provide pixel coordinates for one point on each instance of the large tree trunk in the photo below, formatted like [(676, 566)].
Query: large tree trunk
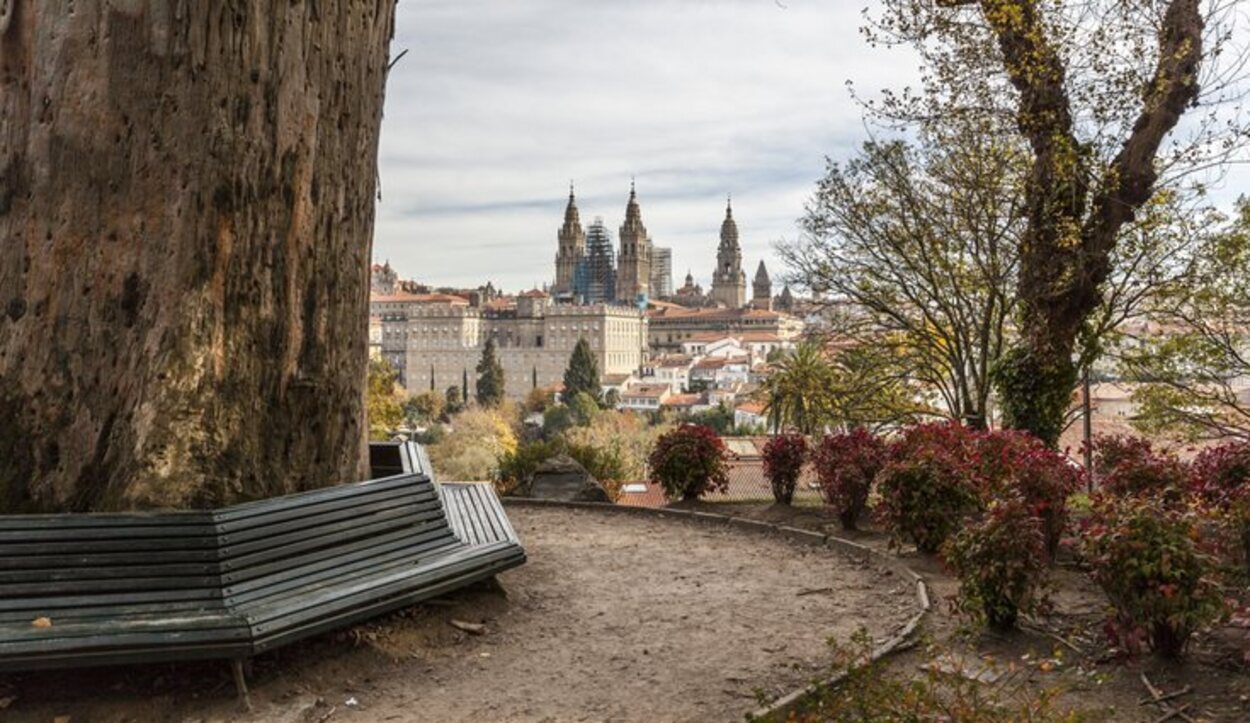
[(186, 211), (1075, 215)]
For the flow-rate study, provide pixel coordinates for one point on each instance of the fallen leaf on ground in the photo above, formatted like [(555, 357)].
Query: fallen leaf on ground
[(470, 628)]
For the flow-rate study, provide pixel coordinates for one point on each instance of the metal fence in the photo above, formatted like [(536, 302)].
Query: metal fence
[(747, 483)]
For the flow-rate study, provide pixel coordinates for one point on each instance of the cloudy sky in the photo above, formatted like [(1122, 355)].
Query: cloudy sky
[(498, 104)]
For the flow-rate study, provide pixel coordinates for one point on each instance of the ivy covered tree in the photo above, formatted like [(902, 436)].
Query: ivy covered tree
[(582, 374), (1092, 90), (490, 378)]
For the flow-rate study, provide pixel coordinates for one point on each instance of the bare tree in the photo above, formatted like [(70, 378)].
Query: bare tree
[(916, 248), (186, 211)]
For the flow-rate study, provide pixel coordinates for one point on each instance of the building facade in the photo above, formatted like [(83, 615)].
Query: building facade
[(669, 327), (388, 319), (661, 272), (534, 341)]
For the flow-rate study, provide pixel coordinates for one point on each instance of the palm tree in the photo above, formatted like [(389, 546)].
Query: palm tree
[(799, 390)]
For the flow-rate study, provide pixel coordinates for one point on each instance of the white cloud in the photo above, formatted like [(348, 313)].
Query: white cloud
[(497, 105)]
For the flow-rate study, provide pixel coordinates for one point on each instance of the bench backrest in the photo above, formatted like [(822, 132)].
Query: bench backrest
[(276, 548), (114, 564), (217, 560)]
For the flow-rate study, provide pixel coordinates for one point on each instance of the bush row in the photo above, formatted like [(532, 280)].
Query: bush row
[(995, 506)]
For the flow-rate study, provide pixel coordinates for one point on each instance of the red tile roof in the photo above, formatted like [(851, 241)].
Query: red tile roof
[(404, 296)]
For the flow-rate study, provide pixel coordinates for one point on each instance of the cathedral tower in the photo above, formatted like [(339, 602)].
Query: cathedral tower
[(762, 288), (572, 249), (729, 283), (633, 268)]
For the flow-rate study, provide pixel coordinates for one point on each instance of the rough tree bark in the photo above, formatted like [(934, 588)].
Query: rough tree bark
[(1075, 208), (186, 212)]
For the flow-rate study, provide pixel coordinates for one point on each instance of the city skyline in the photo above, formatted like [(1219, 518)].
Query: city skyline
[(497, 106)]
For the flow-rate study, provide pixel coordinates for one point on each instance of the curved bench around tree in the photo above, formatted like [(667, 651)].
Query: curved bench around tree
[(107, 589)]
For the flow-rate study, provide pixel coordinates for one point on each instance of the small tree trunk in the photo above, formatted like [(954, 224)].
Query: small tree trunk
[(186, 208)]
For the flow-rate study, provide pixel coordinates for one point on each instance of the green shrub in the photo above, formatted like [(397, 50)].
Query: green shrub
[(1148, 557), (1001, 563), (784, 456), (517, 467), (846, 465), (688, 462)]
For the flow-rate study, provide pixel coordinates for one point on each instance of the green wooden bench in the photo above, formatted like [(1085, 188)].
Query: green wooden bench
[(108, 589)]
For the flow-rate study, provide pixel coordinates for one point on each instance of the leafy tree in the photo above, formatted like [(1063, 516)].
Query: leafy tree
[(626, 434), (719, 419), (584, 408), (1191, 375), (916, 247), (1092, 89), (425, 407), (582, 374), (556, 420), (470, 450), (798, 390), (490, 378), (539, 400), (454, 400), (383, 408)]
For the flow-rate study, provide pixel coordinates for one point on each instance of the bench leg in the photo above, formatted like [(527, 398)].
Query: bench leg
[(240, 683)]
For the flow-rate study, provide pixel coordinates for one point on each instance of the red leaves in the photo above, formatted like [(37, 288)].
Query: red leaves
[(846, 465), (784, 456), (689, 462)]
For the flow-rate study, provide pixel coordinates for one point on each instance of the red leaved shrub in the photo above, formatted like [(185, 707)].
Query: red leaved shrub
[(1220, 478), (784, 456), (929, 484), (846, 465), (1000, 561), (1131, 466), (689, 462), (1149, 558), (1013, 462)]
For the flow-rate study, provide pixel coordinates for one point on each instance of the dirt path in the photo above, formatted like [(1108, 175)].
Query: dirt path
[(615, 617)]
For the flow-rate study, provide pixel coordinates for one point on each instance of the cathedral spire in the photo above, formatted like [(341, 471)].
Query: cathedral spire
[(572, 219), (572, 248), (634, 262), (729, 229)]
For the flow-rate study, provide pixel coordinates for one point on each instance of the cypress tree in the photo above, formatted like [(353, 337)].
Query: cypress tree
[(582, 374), (490, 378)]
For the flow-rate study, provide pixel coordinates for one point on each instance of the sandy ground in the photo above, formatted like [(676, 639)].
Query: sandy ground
[(1066, 651), (615, 617)]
